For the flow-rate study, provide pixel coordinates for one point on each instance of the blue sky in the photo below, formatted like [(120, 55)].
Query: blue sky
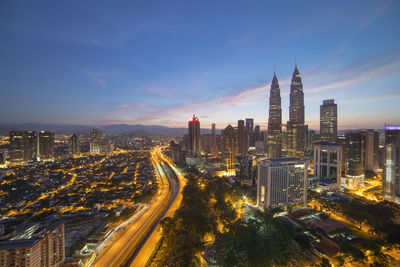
[(158, 62)]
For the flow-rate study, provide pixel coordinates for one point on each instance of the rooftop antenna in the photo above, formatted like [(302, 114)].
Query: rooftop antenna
[(295, 61)]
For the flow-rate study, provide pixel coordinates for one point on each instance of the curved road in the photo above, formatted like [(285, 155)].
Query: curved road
[(129, 244)]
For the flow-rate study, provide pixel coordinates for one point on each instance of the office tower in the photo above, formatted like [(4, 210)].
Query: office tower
[(328, 121), (281, 182), (30, 142), (16, 149), (242, 138), (214, 145), (328, 163), (310, 139), (95, 140), (37, 246), (355, 153), (250, 131), (230, 148), (275, 120), (257, 133), (46, 145), (371, 150), (343, 143), (244, 166), (391, 170), (2, 157), (194, 136), (73, 143), (295, 125)]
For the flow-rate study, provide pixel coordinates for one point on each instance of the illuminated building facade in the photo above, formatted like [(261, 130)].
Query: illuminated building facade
[(328, 163), (328, 121), (230, 149), (46, 248), (281, 182), (295, 125), (194, 144), (46, 145), (244, 168), (391, 171), (30, 142), (73, 144), (95, 140), (275, 121), (243, 138), (16, 150), (355, 153), (214, 145), (371, 138), (250, 131)]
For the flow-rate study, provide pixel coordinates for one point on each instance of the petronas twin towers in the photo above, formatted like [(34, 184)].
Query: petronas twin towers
[(295, 126)]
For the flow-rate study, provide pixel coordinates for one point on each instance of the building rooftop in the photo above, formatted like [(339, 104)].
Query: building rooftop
[(329, 225), (322, 143), (284, 160), (21, 243)]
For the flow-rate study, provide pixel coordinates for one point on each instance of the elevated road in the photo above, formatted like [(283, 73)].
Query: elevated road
[(131, 243)]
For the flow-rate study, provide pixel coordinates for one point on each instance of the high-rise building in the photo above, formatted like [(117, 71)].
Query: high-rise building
[(391, 170), (30, 141), (281, 182), (250, 131), (328, 121), (46, 145), (244, 166), (242, 138), (214, 145), (328, 163), (295, 125), (16, 149), (355, 153), (73, 144), (275, 121), (194, 144), (257, 133), (95, 140), (371, 150), (35, 247), (230, 148)]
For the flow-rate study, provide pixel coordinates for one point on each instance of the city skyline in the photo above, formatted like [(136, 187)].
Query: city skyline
[(107, 65)]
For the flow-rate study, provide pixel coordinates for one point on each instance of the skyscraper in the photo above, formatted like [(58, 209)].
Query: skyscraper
[(30, 141), (328, 163), (242, 138), (95, 141), (281, 182), (275, 120), (371, 150), (250, 131), (73, 142), (328, 121), (257, 133), (194, 136), (214, 145), (16, 149), (46, 145), (295, 125), (391, 170), (230, 149), (355, 153)]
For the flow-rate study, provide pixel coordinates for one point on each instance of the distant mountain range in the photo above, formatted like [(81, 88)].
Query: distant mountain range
[(136, 129)]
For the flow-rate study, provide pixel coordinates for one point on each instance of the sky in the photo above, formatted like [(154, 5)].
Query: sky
[(158, 62)]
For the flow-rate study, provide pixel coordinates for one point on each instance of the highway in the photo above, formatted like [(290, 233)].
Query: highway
[(135, 242)]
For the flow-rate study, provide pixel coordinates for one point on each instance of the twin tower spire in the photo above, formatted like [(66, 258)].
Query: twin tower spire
[(294, 145)]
